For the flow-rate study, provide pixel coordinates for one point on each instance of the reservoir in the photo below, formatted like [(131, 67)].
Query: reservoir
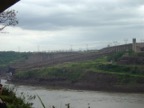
[(80, 98)]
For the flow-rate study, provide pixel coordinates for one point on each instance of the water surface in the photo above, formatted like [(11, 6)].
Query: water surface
[(81, 98)]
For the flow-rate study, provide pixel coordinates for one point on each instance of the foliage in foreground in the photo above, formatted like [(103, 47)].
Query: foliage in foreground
[(13, 101)]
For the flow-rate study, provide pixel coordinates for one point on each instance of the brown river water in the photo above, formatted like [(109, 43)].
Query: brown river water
[(80, 98)]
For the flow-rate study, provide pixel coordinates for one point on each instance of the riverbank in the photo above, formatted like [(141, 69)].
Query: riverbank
[(102, 74), (93, 85), (116, 88)]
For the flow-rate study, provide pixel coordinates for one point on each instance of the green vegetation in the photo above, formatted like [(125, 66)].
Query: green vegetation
[(8, 57), (102, 71), (78, 71), (12, 101), (116, 56)]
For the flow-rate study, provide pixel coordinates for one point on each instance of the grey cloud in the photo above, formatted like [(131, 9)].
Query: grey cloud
[(93, 19), (132, 2), (82, 18), (74, 22)]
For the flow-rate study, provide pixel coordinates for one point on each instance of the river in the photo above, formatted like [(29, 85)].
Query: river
[(80, 98)]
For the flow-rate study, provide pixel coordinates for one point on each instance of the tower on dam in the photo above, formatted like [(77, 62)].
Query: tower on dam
[(134, 46)]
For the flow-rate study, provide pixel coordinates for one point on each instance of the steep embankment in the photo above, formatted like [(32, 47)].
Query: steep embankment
[(92, 75), (73, 70)]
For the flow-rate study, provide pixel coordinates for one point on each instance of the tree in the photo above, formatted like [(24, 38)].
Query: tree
[(8, 18)]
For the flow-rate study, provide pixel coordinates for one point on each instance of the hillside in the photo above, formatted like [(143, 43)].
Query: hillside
[(80, 70), (104, 73)]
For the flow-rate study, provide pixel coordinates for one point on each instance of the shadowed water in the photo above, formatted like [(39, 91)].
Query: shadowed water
[(81, 99)]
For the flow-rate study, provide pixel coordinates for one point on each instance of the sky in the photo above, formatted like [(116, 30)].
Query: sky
[(49, 25)]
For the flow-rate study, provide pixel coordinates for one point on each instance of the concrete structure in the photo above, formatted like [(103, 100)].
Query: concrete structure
[(134, 44), (4, 4), (137, 47)]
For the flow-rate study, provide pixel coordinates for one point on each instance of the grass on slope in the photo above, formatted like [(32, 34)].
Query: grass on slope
[(75, 71)]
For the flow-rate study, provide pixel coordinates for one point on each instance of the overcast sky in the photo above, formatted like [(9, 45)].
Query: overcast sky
[(46, 25)]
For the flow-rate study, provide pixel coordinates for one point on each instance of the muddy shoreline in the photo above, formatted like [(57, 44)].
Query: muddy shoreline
[(82, 86)]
